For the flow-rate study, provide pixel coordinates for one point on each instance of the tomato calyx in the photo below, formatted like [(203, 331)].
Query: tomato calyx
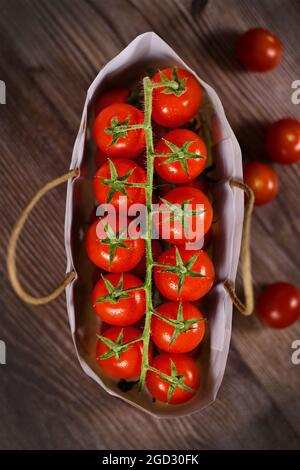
[(182, 269), (119, 183), (180, 154), (115, 348), (117, 129), (175, 86), (115, 293), (174, 380), (120, 128), (113, 241), (180, 213), (180, 324)]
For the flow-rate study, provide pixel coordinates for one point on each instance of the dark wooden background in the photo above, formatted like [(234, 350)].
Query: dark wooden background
[(50, 51)]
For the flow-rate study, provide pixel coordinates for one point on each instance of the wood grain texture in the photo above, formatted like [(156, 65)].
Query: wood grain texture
[(50, 52)]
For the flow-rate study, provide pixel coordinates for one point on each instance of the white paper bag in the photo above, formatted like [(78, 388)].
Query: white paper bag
[(148, 50)]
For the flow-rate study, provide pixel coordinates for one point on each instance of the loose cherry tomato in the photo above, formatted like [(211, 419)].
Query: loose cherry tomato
[(114, 141), (109, 252), (112, 180), (116, 306), (181, 380), (259, 50), (189, 274), (283, 141), (175, 105), (140, 269), (279, 305), (115, 359), (113, 96), (179, 328), (263, 180), (185, 215), (180, 144)]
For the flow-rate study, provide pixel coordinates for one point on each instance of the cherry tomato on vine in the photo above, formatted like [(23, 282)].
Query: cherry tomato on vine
[(184, 378), (188, 276), (126, 362), (110, 137), (178, 102), (263, 180), (179, 328), (116, 306), (112, 183), (180, 144), (140, 269), (283, 141), (279, 305), (110, 252), (185, 215), (113, 96), (259, 50)]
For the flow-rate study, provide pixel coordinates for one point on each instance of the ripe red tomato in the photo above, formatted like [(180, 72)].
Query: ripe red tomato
[(175, 106), (283, 141), (115, 255), (192, 277), (178, 168), (180, 327), (115, 143), (178, 209), (113, 305), (113, 96), (125, 363), (259, 50), (110, 183), (140, 269), (279, 305), (184, 373), (263, 180)]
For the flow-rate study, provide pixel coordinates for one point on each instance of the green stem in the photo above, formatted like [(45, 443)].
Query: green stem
[(149, 260)]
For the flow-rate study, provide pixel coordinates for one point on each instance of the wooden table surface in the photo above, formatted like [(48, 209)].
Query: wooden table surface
[(50, 52)]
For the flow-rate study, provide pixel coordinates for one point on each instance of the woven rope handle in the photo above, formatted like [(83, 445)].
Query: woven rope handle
[(12, 246), (246, 307)]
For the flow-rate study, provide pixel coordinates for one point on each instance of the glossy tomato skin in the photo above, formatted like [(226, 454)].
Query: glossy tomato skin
[(197, 225), (174, 172), (283, 141), (113, 96), (129, 146), (135, 195), (263, 180), (125, 259), (193, 287), (169, 110), (128, 367), (123, 311), (186, 366), (162, 332), (278, 305), (259, 50)]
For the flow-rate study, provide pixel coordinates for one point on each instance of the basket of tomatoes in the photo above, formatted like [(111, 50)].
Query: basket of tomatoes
[(153, 231)]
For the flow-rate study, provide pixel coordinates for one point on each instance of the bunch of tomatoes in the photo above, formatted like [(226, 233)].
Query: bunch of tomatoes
[(260, 51), (181, 276)]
